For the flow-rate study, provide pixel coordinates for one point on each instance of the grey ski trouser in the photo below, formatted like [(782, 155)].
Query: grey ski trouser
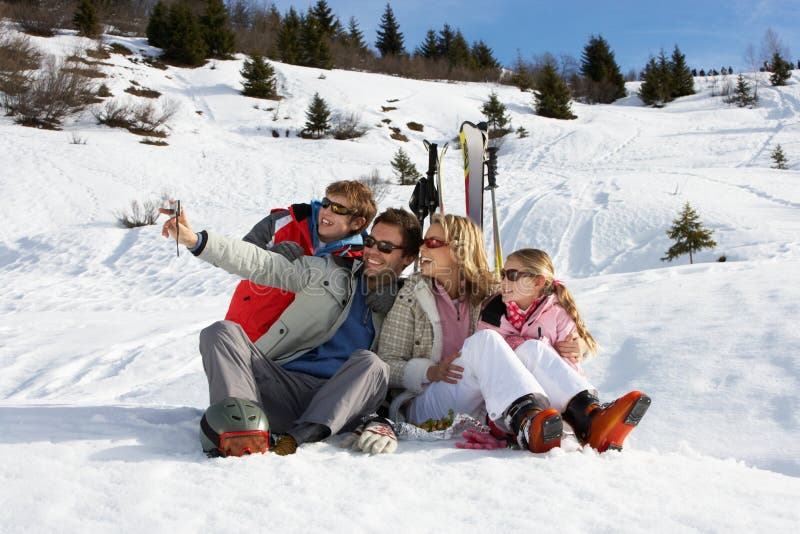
[(236, 368)]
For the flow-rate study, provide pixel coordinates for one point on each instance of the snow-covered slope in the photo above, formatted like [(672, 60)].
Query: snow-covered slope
[(101, 385)]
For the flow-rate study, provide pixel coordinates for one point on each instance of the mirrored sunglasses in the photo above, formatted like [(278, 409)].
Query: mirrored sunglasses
[(432, 242), (336, 207), (383, 246), (513, 274)]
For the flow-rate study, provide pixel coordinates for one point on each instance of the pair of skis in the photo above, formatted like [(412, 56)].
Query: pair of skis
[(477, 157)]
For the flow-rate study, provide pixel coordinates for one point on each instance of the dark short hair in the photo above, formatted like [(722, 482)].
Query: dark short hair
[(409, 228)]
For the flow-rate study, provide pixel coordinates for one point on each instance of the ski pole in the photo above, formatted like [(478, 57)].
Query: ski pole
[(439, 179), (491, 178)]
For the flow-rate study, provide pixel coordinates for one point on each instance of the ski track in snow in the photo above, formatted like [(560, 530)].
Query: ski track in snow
[(102, 385)]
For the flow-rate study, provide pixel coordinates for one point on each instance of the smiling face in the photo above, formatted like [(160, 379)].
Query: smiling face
[(525, 290), (437, 263), (332, 226), (381, 265)]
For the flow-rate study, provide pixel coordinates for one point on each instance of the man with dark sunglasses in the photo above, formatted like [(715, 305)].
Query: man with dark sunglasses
[(312, 372), (331, 226)]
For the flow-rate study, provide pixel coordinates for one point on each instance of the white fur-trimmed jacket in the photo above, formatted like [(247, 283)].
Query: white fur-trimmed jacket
[(411, 335)]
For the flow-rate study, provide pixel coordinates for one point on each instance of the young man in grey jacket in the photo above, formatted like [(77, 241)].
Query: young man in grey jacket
[(312, 372)]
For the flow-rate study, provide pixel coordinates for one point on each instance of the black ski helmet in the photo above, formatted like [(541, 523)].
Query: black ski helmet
[(232, 418)]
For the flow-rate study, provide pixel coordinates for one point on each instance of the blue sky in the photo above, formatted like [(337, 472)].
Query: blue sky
[(711, 33)]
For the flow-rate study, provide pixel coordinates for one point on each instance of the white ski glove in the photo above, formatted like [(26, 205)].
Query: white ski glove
[(373, 437)]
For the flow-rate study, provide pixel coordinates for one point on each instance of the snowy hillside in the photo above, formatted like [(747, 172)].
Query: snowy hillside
[(101, 384)]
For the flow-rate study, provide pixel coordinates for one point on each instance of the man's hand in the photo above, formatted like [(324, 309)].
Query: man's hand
[(187, 236), (375, 436), (445, 371), (571, 348)]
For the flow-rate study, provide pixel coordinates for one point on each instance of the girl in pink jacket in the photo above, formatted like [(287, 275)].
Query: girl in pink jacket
[(532, 304), (532, 312)]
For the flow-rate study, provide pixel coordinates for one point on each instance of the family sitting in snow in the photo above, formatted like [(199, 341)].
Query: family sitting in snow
[(322, 334)]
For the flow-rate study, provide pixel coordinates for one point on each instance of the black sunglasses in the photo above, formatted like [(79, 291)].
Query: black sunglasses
[(513, 274), (336, 207), (383, 246)]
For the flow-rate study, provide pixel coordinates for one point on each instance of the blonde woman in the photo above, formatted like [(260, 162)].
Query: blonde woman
[(436, 361)]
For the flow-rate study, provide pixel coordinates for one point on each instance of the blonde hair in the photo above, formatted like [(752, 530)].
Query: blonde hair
[(538, 262), (466, 245), (359, 196)]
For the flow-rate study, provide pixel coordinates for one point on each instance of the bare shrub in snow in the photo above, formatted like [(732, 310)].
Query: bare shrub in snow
[(379, 186), (145, 118), (18, 60), (52, 94), (76, 138), (347, 126), (151, 119), (17, 53), (136, 214), (41, 17)]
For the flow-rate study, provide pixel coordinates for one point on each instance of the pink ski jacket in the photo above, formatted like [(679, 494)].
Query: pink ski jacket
[(549, 322)]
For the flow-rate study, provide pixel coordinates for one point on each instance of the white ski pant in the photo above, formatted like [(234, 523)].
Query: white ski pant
[(495, 376)]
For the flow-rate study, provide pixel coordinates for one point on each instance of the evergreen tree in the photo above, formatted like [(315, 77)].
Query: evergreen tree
[(458, 55), (656, 89), (682, 81), (522, 76), (355, 37), (317, 117), (601, 71), (327, 22), (429, 49), (689, 235), (217, 33), (483, 58), (779, 158), (259, 78), (741, 94), (240, 15), (390, 39), (404, 168), (445, 40), (315, 44), (781, 70), (158, 30), (495, 112), (186, 43), (552, 95), (85, 19), (288, 42)]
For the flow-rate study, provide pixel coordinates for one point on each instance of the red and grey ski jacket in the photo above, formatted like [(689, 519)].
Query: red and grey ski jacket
[(256, 307)]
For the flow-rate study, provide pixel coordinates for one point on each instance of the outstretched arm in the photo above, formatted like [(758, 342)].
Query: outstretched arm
[(245, 259)]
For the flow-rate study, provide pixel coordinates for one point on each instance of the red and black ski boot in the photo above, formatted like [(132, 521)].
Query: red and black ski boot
[(537, 427), (605, 426)]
